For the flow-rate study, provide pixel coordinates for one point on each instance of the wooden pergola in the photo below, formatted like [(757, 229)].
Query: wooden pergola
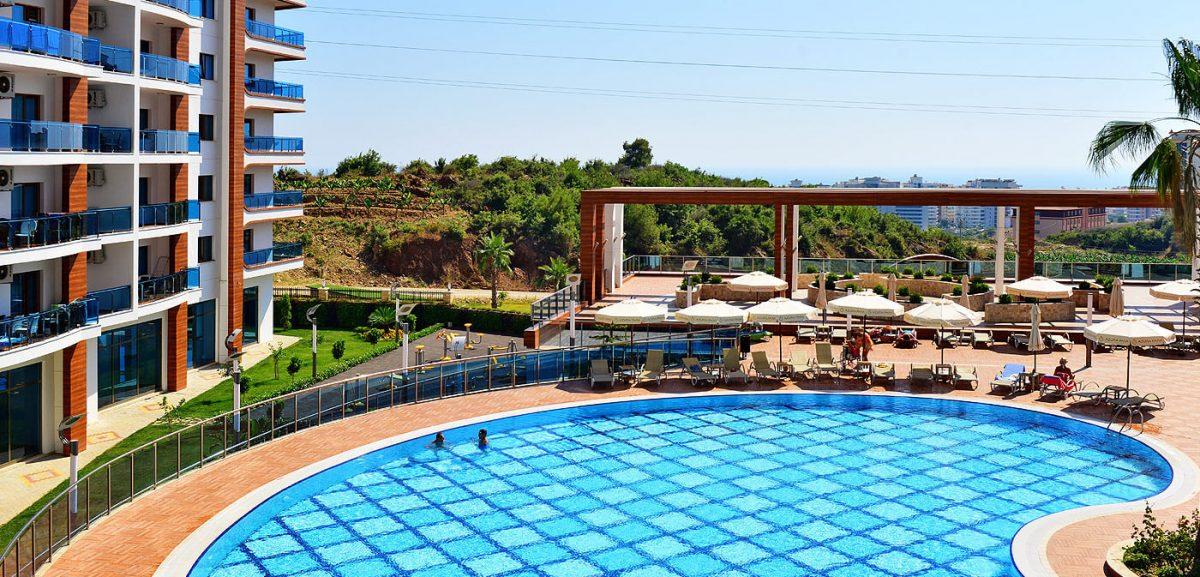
[(601, 216)]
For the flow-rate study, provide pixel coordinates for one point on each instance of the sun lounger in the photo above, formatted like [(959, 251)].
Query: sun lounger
[(944, 339), (601, 374), (1059, 341), (806, 333), (824, 333), (653, 369), (838, 334), (762, 366), (798, 363), (921, 375), (1056, 386), (1019, 341), (1093, 393), (966, 375), (983, 339), (825, 363), (698, 374), (883, 373), (733, 366), (1009, 377)]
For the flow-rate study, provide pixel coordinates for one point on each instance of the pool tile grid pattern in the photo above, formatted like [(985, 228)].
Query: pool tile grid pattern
[(754, 492)]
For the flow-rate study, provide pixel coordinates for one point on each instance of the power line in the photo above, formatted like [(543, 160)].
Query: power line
[(725, 98), (725, 65), (1006, 40)]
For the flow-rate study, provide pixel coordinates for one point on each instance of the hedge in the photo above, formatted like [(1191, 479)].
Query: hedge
[(351, 315)]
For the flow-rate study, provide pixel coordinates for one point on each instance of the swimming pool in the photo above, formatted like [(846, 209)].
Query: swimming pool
[(732, 485)]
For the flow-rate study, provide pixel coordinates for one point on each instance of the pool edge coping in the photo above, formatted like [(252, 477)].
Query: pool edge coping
[(1029, 547)]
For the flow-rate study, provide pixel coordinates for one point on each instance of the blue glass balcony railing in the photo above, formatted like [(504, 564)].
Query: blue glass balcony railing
[(58, 320), (106, 139), (165, 68), (116, 59), (264, 87), (169, 213), (49, 41), (41, 136), (46, 230), (264, 200), (277, 253), (156, 288), (274, 144), (111, 220), (274, 33), (113, 300), (189, 7), (170, 142)]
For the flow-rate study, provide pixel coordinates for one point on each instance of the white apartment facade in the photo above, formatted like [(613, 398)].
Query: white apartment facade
[(137, 149)]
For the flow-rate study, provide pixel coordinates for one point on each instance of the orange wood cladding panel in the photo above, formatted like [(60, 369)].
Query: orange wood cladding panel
[(181, 44), (237, 162), (74, 390), (789, 249), (1026, 242), (75, 16), (177, 319), (875, 196)]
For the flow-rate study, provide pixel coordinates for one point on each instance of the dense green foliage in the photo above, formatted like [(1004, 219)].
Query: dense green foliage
[(369, 163), (1151, 237), (352, 315), (1161, 552)]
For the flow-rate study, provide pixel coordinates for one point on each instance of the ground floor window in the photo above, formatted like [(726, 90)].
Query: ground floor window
[(130, 362), (20, 412), (202, 333), (250, 315)]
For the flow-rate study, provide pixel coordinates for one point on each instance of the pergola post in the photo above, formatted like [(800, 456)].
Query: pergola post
[(1001, 224), (779, 230), (793, 251), (1025, 241), (587, 252)]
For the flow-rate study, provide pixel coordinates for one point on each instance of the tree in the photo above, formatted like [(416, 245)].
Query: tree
[(495, 256), (643, 235), (339, 350), (637, 154), (283, 313), (293, 367), (276, 350), (369, 163), (1168, 164), (557, 271)]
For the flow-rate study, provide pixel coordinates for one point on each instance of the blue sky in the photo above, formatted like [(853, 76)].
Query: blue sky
[(407, 120)]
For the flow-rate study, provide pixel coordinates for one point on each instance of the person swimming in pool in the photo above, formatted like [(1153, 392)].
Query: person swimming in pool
[(483, 440), (439, 440)]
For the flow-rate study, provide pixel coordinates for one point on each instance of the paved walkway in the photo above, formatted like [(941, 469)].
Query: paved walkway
[(433, 351), (137, 538), (25, 482)]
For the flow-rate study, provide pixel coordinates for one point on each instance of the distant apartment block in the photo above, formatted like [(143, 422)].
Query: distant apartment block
[(137, 149), (1123, 214), (1051, 221)]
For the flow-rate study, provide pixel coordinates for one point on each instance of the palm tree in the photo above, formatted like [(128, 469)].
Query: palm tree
[(495, 256), (1170, 163), (557, 272)]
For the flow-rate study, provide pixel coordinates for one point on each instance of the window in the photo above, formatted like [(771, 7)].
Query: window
[(147, 47), (248, 127), (208, 9), (205, 183), (204, 250), (251, 14), (143, 190), (207, 66), (250, 315), (20, 413), (202, 334), (27, 13), (26, 107), (129, 362), (25, 294), (143, 263), (206, 127), (248, 183), (144, 119), (26, 200), (251, 71), (248, 240)]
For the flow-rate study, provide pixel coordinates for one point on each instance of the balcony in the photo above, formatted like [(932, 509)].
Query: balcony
[(279, 199), (274, 144), (112, 220), (164, 68), (276, 34), (50, 136), (169, 213), (170, 142), (159, 288), (116, 59), (46, 230), (189, 7), (113, 300), (274, 89), (277, 253), (48, 41), (26, 330)]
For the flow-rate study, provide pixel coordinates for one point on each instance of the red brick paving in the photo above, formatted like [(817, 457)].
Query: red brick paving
[(137, 538)]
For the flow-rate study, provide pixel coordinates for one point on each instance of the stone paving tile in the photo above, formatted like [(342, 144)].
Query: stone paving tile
[(137, 538)]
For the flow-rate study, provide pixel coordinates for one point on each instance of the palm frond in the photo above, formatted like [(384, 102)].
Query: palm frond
[(1122, 138), (1175, 180), (1184, 73)]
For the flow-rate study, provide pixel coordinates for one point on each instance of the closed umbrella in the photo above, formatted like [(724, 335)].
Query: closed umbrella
[(1035, 333), (822, 297), (1129, 331), (891, 287), (1116, 301), (965, 300), (1185, 291), (943, 313), (1039, 287), (781, 310)]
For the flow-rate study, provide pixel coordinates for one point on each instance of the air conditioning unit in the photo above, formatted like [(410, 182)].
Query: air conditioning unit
[(8, 86), (97, 97), (6, 178), (97, 19), (5, 271), (96, 176)]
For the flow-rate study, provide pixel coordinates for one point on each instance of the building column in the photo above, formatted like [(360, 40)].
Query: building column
[(599, 244), (794, 251), (1025, 241), (779, 226), (237, 167), (618, 245), (1001, 225)]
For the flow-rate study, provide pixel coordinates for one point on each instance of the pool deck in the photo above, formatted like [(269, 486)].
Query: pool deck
[(137, 538)]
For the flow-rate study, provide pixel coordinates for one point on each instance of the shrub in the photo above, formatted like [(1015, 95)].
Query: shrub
[(339, 350), (1106, 282), (1084, 285), (880, 290), (930, 272), (371, 335), (947, 277), (1161, 552), (852, 288), (293, 367), (902, 291), (916, 299), (811, 269), (283, 312), (919, 274), (848, 276), (957, 291), (908, 271), (1006, 299)]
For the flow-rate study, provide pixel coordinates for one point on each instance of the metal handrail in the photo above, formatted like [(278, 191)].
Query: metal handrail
[(117, 482), (555, 304)]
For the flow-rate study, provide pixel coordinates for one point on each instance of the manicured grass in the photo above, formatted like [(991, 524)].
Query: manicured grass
[(522, 307)]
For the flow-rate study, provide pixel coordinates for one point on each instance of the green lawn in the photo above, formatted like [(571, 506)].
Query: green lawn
[(219, 399), (522, 307)]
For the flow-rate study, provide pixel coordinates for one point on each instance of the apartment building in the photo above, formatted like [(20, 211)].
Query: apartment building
[(1053, 220), (137, 204)]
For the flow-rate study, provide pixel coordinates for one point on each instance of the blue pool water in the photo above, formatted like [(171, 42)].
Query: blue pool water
[(763, 485)]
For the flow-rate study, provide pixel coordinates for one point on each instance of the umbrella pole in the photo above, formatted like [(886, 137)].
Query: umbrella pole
[(1128, 367)]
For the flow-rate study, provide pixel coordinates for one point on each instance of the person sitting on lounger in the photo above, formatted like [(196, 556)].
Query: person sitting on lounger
[(1064, 372)]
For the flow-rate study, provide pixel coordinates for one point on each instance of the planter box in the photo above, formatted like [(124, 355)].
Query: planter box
[(720, 292), (1099, 301), (1019, 312)]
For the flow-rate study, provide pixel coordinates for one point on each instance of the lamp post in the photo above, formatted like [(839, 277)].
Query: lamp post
[(573, 282), (232, 343), (403, 328), (72, 447), (311, 315)]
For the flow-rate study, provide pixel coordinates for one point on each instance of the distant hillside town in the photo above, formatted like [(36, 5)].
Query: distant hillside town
[(1050, 221)]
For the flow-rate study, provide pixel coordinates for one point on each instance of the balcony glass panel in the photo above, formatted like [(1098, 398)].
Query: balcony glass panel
[(279, 252), (189, 7), (169, 213), (152, 289), (113, 300), (110, 220), (116, 59), (274, 33), (264, 200), (274, 144), (41, 136), (264, 87), (107, 139), (46, 230), (164, 68), (170, 142), (58, 320), (47, 40)]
